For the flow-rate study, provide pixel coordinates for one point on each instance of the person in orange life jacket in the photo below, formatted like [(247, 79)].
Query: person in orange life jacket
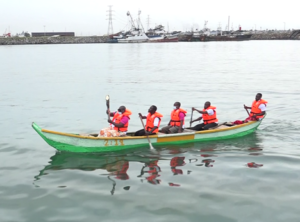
[(152, 124), (176, 124), (120, 119), (258, 108), (209, 116)]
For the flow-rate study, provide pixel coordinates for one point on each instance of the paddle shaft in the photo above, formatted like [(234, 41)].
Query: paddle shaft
[(191, 118), (151, 147), (247, 111)]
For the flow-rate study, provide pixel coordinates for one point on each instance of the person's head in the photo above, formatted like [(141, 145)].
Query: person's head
[(121, 109), (152, 109), (177, 105), (206, 104), (258, 96)]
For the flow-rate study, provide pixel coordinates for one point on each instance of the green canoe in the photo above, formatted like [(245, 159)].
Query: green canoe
[(82, 143)]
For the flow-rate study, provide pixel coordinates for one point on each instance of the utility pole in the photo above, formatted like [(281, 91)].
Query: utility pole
[(110, 29)]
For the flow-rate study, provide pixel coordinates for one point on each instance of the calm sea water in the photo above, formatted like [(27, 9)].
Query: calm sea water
[(62, 87)]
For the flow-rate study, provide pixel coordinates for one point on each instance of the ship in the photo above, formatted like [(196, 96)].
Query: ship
[(158, 34), (136, 34), (206, 35)]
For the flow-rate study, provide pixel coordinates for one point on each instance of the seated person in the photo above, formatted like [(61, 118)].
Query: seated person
[(258, 108), (209, 116), (152, 124), (120, 119), (176, 124)]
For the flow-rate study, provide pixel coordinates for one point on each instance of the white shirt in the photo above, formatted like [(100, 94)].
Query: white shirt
[(262, 107), (210, 112), (156, 121)]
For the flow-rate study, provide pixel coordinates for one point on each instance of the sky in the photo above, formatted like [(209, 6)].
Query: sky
[(89, 17)]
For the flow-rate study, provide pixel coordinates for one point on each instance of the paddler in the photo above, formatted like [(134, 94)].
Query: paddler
[(152, 124), (209, 116), (176, 124), (120, 119), (258, 108)]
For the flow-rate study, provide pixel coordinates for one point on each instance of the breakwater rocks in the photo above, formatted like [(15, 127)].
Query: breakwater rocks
[(276, 35), (52, 40)]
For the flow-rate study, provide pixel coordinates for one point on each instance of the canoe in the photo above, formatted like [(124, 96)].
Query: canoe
[(72, 142)]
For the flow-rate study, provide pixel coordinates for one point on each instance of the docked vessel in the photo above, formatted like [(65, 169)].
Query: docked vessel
[(227, 37), (135, 35), (158, 34), (206, 35), (73, 142)]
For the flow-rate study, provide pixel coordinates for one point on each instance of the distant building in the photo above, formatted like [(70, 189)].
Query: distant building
[(41, 34)]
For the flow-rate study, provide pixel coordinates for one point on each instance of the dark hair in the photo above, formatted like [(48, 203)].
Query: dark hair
[(154, 107), (259, 94), (178, 103)]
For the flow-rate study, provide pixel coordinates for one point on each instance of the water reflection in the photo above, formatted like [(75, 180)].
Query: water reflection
[(152, 171), (166, 167), (175, 162)]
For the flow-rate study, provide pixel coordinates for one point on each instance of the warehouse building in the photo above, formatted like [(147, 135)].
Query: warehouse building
[(41, 34)]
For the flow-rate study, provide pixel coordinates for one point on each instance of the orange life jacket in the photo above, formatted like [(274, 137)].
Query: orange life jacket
[(150, 121), (255, 107), (117, 119), (210, 119), (175, 120)]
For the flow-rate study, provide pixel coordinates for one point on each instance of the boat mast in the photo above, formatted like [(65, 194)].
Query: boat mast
[(140, 23), (148, 23), (131, 20), (228, 22)]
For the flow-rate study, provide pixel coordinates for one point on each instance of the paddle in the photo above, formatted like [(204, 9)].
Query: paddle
[(151, 147), (246, 110), (191, 118), (107, 105)]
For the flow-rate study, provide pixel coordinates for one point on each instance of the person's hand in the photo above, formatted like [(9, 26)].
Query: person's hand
[(193, 109), (245, 107), (108, 111), (110, 121), (140, 115)]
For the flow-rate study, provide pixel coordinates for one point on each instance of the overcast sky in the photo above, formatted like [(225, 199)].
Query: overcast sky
[(89, 17)]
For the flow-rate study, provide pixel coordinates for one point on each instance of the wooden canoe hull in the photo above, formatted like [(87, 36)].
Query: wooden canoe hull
[(76, 143)]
